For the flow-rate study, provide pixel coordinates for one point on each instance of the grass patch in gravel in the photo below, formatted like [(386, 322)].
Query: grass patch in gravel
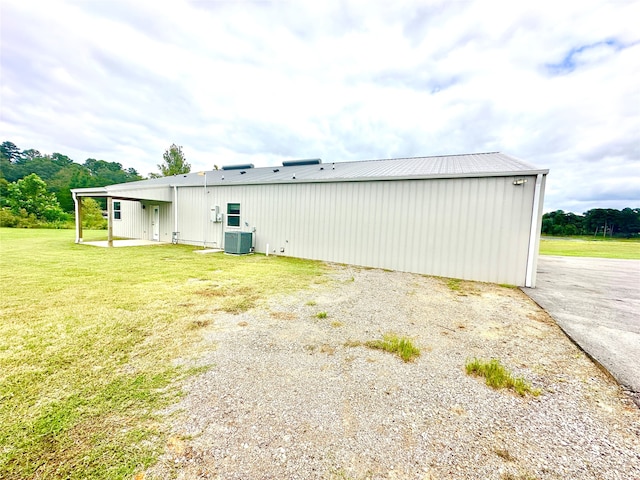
[(401, 346), (454, 284), (88, 342), (497, 376), (461, 287)]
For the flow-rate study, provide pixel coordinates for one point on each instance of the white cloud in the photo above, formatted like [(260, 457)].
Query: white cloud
[(554, 83)]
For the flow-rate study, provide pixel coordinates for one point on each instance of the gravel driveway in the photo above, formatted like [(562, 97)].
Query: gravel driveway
[(289, 397)]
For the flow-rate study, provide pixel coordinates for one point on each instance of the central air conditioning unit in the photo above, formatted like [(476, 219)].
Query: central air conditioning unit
[(238, 243)]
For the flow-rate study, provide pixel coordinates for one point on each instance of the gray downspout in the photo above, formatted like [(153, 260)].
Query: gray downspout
[(533, 234), (175, 214)]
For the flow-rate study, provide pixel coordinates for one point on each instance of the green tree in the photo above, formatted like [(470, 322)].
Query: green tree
[(30, 154), (561, 223), (630, 221), (72, 176), (60, 159), (4, 190), (174, 162), (59, 172), (92, 215), (9, 151), (29, 196), (601, 220), (108, 173)]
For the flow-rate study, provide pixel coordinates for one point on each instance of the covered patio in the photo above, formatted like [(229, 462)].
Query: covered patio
[(111, 194)]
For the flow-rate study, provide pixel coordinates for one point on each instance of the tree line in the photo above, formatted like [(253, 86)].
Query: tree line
[(35, 188), (604, 222), (59, 172)]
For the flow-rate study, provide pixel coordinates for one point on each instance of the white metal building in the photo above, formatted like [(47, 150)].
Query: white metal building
[(474, 216)]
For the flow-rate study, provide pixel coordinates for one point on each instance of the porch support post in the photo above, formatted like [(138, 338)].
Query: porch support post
[(110, 221), (78, 205)]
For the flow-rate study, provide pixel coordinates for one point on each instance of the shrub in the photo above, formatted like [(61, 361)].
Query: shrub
[(8, 219), (28, 220)]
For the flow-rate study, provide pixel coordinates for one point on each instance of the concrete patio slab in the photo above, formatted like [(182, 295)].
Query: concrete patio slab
[(124, 243)]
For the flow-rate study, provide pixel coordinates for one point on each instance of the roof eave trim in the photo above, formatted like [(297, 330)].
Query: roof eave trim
[(122, 187), (87, 192), (520, 173)]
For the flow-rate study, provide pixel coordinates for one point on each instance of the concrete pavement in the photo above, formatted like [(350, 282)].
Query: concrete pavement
[(596, 301)]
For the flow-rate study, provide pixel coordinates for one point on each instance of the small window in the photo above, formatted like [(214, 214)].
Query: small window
[(233, 214), (117, 212)]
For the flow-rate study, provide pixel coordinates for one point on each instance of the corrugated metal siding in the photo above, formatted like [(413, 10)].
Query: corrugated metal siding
[(166, 222), (130, 224), (471, 228), (194, 217)]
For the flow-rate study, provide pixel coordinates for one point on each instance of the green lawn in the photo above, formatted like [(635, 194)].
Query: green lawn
[(88, 342), (590, 247)]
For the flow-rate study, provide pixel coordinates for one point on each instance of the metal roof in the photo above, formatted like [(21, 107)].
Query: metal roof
[(447, 166)]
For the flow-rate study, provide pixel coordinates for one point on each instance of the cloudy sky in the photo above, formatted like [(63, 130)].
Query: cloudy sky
[(556, 84)]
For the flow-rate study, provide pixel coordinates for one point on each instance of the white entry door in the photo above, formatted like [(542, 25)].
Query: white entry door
[(155, 223)]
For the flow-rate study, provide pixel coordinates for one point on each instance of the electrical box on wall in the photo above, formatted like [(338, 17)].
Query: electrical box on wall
[(216, 216)]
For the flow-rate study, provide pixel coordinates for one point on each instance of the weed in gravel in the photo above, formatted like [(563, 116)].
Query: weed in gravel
[(238, 303), (497, 376), (504, 454), (401, 346), (321, 315), (341, 474), (328, 349), (521, 476), (199, 323), (336, 324), (311, 303), (283, 315), (461, 287), (454, 284)]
